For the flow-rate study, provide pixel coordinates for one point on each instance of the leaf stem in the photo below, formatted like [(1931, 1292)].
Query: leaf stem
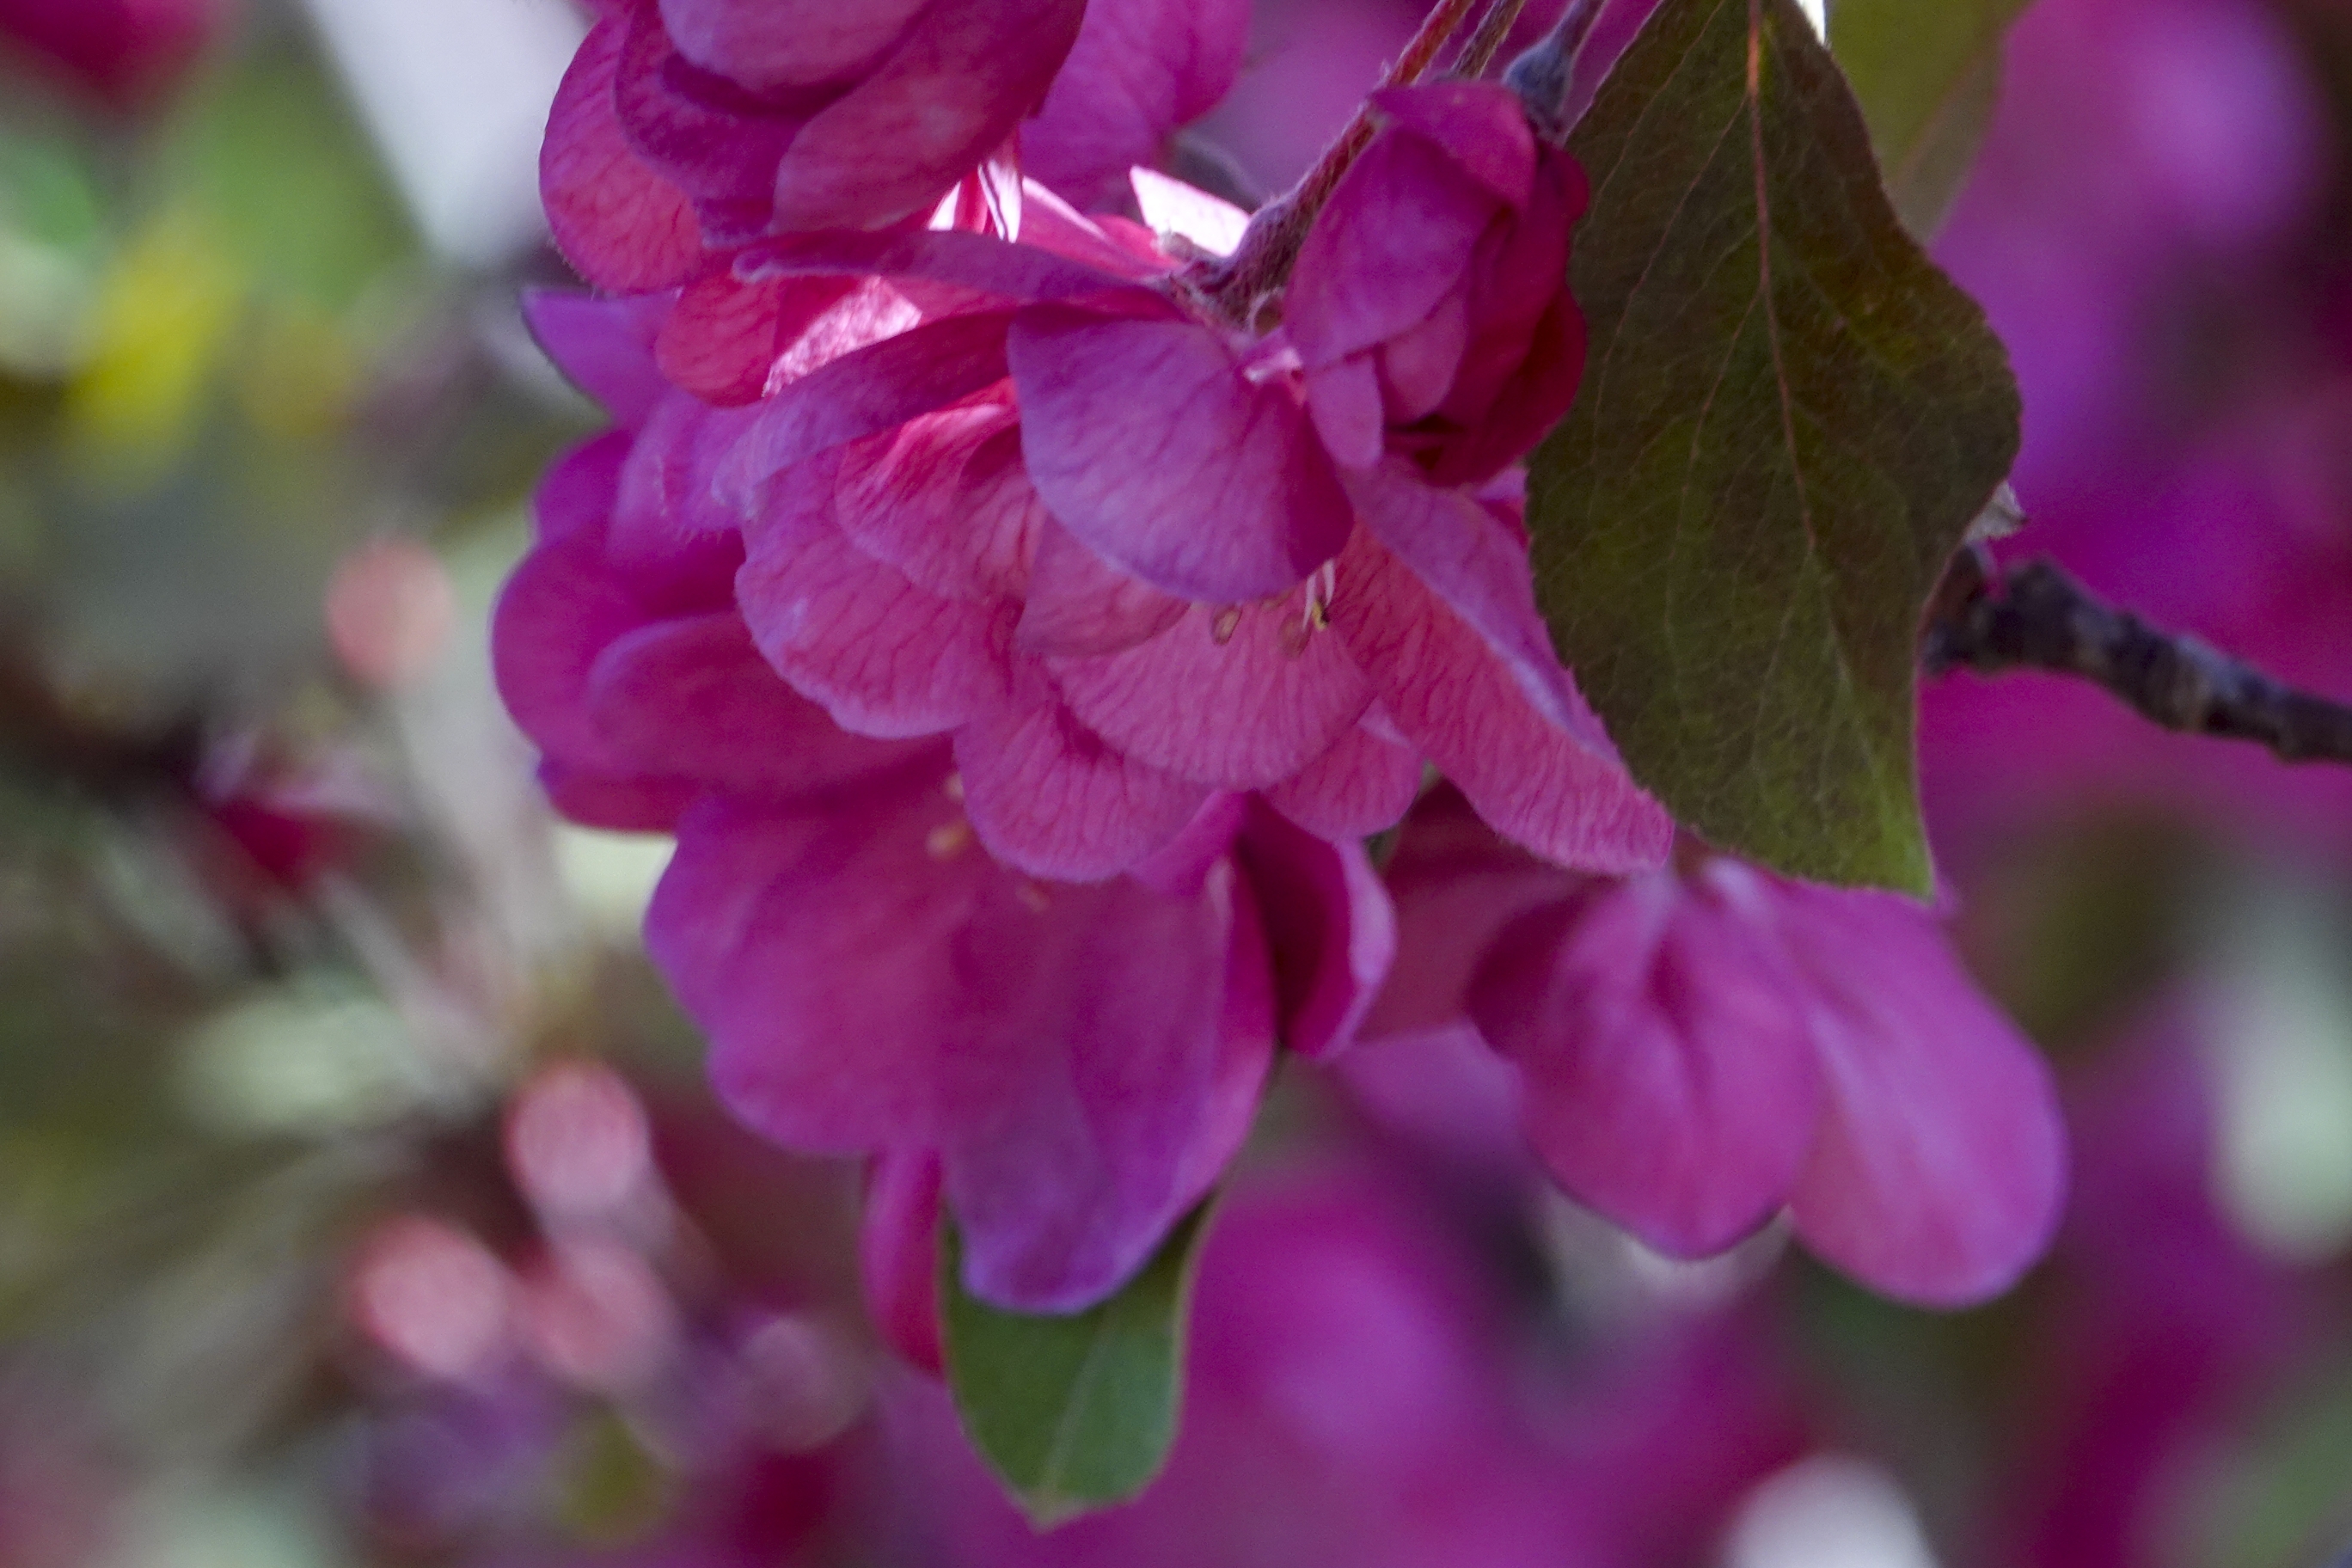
[(1240, 285)]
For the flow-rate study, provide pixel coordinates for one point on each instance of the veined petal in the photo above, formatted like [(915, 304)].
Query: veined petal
[(1362, 785), (722, 341), (763, 45), (788, 934), (1149, 444), (1395, 241), (1475, 563), (868, 393), (898, 1255), (1079, 606), (1559, 790), (1104, 1090), (885, 658), (1238, 697), (946, 500), (978, 263), (1054, 799), (1140, 70), (616, 220), (1478, 125), (1457, 885)]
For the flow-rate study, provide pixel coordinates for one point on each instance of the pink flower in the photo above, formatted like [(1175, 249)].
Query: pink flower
[(125, 52), (1699, 1051), (1431, 307), (731, 119), (1090, 532), (1080, 1061)]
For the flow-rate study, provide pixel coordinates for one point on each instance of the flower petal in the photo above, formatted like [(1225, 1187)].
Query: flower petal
[(898, 1255), (1052, 798), (1559, 790), (763, 46), (692, 697), (1331, 930), (1394, 240), (964, 75), (1106, 1090), (1237, 698), (619, 223), (1079, 605), (1141, 69), (604, 346), (723, 340), (1363, 784), (945, 501), (868, 392), (1456, 886), (1941, 1165), (885, 658), (1149, 444), (1669, 1070)]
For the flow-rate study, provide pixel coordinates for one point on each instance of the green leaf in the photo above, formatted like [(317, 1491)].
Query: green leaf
[(1927, 74), (1073, 1413), (1787, 419)]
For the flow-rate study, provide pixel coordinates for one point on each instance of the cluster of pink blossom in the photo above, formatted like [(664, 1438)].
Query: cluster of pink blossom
[(1021, 637)]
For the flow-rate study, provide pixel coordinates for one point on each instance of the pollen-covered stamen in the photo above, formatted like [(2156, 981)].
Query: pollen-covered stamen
[(1228, 622), (1314, 608)]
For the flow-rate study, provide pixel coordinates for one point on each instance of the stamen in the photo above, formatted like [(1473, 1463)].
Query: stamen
[(1228, 622), (949, 840)]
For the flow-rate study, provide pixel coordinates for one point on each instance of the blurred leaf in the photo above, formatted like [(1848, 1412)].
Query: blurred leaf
[(50, 242), (1073, 1413), (1787, 419), (1928, 77), (275, 159)]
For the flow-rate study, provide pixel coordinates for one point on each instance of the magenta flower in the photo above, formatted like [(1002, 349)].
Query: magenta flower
[(1430, 307), (1700, 1050), (1090, 532), (732, 119), (1079, 1061), (124, 52)]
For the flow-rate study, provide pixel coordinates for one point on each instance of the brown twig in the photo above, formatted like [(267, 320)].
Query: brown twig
[(2034, 616), (1261, 264), (1493, 28)]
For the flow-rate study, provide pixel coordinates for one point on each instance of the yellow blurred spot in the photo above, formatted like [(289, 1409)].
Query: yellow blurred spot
[(296, 377), (163, 316)]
